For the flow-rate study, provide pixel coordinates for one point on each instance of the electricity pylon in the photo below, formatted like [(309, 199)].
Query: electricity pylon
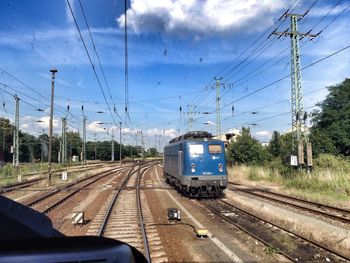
[(298, 120), (298, 113)]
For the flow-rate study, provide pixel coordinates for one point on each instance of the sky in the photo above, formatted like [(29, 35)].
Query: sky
[(176, 49)]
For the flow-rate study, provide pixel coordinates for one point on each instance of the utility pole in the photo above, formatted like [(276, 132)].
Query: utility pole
[(112, 157), (53, 72), (64, 141), (190, 113), (120, 143), (15, 135), (143, 147), (155, 142), (180, 119), (83, 158), (298, 115), (84, 140), (95, 146), (218, 117), (218, 85)]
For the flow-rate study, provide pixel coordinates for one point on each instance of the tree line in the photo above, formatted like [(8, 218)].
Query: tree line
[(35, 148)]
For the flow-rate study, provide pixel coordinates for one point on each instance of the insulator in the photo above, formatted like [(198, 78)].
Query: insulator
[(305, 116)]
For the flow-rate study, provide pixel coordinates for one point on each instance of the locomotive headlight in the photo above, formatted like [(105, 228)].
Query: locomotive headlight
[(193, 166), (221, 168)]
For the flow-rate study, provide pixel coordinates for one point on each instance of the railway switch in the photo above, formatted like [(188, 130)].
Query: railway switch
[(174, 214)]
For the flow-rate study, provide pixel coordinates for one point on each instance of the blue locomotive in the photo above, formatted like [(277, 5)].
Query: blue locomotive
[(195, 164)]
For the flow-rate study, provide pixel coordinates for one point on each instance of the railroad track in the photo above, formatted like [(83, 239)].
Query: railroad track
[(277, 238), (127, 217), (327, 211), (28, 183), (16, 186), (45, 203)]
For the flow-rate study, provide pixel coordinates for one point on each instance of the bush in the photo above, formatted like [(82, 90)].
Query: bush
[(336, 163), (247, 150)]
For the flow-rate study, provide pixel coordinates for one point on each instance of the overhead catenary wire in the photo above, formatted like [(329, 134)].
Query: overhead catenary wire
[(282, 78), (31, 89), (292, 7), (98, 57), (126, 62), (278, 115), (281, 59), (324, 17), (91, 63), (13, 95), (334, 18), (24, 84)]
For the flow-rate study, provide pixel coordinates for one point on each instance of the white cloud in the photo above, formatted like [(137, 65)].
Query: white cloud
[(263, 133), (200, 17), (35, 125), (323, 10), (95, 127), (44, 122)]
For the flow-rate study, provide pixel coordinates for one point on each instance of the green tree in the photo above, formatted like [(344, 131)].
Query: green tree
[(275, 147), (6, 138), (152, 152), (27, 145), (247, 150), (321, 143), (333, 118), (74, 143)]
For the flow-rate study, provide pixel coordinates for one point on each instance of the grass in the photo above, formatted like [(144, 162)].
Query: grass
[(9, 174), (328, 182)]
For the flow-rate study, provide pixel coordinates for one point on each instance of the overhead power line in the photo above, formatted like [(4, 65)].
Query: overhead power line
[(24, 84), (13, 95), (32, 90), (253, 52), (91, 63), (98, 58), (280, 79), (282, 51)]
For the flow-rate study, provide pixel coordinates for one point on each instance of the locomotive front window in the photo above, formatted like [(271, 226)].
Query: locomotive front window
[(214, 148), (196, 149)]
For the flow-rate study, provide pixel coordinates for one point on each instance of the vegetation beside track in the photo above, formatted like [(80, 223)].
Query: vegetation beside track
[(329, 182), (329, 135)]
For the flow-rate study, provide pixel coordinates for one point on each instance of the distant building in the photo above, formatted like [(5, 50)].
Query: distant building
[(229, 136)]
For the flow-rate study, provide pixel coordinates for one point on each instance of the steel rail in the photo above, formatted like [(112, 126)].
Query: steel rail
[(308, 209), (266, 243), (317, 244), (60, 201), (114, 198), (139, 208), (67, 186), (12, 187)]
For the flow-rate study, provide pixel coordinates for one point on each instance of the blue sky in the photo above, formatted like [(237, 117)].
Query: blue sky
[(176, 48)]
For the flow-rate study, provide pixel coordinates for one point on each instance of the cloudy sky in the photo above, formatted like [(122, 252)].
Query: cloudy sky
[(175, 50)]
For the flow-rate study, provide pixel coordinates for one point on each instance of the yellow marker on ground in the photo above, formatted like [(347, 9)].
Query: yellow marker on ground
[(202, 232)]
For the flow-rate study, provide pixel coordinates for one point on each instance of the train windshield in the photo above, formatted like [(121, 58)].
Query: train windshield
[(196, 149), (215, 148)]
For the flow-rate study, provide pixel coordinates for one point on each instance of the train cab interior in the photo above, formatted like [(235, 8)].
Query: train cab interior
[(28, 236)]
